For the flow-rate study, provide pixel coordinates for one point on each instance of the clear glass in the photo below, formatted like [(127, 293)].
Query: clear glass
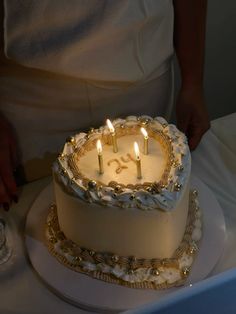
[(5, 249)]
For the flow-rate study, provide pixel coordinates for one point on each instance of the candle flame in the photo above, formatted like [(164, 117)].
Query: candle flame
[(110, 126), (99, 146), (136, 150), (144, 132)]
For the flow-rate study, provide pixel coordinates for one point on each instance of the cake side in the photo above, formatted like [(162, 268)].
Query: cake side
[(128, 270), (144, 234)]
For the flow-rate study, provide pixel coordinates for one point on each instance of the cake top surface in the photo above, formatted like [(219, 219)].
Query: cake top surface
[(121, 166), (164, 167)]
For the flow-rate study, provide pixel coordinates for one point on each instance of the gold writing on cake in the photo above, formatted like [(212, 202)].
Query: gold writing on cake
[(120, 167)]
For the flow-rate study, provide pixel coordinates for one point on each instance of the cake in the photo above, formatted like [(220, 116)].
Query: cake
[(122, 216)]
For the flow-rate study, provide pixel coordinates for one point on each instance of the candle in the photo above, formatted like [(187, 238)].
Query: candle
[(138, 161), (145, 143), (100, 159), (113, 136)]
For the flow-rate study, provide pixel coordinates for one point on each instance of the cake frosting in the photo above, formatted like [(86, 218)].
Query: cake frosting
[(140, 232)]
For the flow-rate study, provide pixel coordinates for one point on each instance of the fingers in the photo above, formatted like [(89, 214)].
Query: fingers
[(8, 188), (195, 132), (8, 162), (6, 173), (194, 137), (4, 197)]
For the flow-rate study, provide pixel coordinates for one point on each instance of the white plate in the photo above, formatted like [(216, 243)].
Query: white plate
[(93, 294)]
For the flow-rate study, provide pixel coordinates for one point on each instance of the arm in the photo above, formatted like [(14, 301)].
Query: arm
[(8, 162), (189, 41), (8, 154)]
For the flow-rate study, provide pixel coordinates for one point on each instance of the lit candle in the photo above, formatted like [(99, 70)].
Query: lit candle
[(100, 159), (113, 136), (138, 160), (145, 143)]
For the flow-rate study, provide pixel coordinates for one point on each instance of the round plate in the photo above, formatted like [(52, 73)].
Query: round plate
[(92, 294)]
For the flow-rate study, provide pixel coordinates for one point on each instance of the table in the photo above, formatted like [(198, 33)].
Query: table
[(214, 162)]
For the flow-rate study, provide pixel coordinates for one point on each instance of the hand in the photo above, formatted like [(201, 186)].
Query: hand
[(8, 162), (192, 115)]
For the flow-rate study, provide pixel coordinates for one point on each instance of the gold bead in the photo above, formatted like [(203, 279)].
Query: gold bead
[(91, 253), (92, 185), (52, 240), (132, 197), (78, 259), (61, 156), (130, 271), (177, 186), (185, 271), (155, 272), (195, 193), (163, 262), (117, 188), (63, 171), (144, 121), (115, 258), (91, 130), (150, 190), (193, 248), (71, 140), (180, 168)]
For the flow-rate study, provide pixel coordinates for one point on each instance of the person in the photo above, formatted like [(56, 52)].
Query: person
[(66, 66)]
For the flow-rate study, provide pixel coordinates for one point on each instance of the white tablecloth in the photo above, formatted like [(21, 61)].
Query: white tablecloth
[(214, 161)]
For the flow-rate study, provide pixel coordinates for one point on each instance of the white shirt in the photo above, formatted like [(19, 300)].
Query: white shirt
[(97, 40)]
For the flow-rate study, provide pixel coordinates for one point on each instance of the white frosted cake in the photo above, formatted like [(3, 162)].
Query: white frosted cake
[(123, 216)]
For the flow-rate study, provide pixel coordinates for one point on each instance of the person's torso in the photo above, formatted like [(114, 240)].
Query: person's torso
[(99, 40)]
